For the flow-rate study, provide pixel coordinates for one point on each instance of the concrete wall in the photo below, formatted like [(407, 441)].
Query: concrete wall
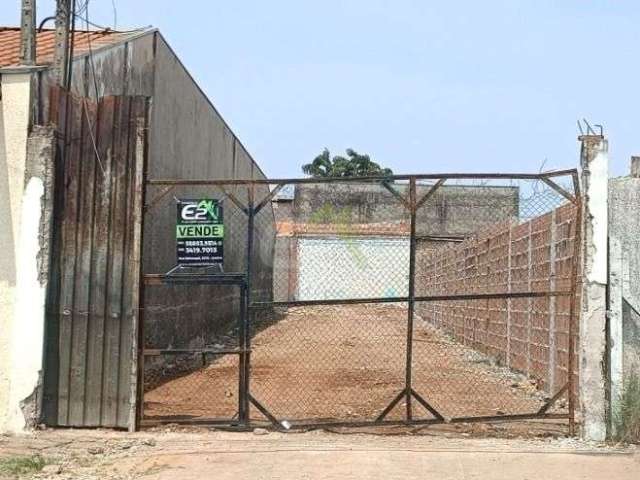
[(14, 122), (594, 161), (453, 211), (352, 267), (624, 230), (25, 206), (366, 210)]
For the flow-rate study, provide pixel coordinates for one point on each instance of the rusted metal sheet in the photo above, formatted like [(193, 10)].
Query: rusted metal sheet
[(93, 306)]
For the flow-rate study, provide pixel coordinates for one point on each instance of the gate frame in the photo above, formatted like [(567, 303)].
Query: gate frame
[(412, 204)]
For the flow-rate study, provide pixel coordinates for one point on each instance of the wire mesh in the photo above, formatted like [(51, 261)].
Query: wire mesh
[(191, 386), (331, 291), (183, 378), (328, 363)]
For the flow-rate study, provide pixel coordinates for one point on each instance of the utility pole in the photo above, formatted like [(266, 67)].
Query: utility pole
[(61, 51), (28, 33)]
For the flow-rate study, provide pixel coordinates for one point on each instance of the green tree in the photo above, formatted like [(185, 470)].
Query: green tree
[(353, 165)]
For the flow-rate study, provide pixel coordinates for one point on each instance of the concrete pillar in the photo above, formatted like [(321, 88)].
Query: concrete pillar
[(594, 161), (616, 275), (15, 90), (635, 167), (32, 276)]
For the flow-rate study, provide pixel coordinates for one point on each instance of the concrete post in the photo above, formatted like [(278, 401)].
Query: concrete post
[(616, 274), (28, 33), (594, 161), (635, 167), (32, 262)]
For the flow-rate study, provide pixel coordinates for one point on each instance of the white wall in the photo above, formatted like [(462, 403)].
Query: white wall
[(595, 173), (352, 267), (20, 327)]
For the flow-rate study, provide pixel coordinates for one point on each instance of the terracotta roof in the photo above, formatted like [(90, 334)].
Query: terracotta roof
[(45, 41)]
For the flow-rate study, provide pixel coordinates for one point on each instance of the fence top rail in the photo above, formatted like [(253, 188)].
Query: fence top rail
[(389, 178)]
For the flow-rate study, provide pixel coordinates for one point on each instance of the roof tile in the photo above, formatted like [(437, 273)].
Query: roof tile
[(45, 42)]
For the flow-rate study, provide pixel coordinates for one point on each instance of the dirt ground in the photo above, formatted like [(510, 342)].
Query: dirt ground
[(347, 363), (180, 453)]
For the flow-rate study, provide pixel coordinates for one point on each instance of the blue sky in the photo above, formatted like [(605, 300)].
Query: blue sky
[(422, 86)]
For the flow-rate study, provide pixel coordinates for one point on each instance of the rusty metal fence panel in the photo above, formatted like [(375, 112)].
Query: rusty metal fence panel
[(93, 298), (416, 299)]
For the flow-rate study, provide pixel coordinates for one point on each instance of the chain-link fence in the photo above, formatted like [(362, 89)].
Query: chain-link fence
[(370, 301)]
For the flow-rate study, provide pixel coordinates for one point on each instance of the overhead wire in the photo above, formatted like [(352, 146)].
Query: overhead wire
[(91, 62)]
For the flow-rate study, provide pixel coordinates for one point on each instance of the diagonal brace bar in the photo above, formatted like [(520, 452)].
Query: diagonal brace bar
[(396, 194), (559, 189), (268, 197), (426, 405), (553, 399), (163, 193), (234, 199), (264, 411), (391, 405), (430, 193)]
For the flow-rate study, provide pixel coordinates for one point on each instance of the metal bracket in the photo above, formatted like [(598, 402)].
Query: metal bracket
[(553, 399), (409, 393), (430, 193), (396, 194), (268, 198), (163, 193), (262, 409), (559, 189), (233, 198)]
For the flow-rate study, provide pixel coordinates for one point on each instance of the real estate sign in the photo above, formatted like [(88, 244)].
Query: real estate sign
[(199, 232)]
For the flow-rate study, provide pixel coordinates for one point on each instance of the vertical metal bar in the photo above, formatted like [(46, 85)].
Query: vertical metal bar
[(573, 307), (412, 296), (242, 389), (509, 269), (139, 192), (552, 305), (245, 356), (530, 300)]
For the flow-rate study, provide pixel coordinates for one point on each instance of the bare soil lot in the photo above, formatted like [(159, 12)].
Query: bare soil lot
[(181, 453), (340, 363)]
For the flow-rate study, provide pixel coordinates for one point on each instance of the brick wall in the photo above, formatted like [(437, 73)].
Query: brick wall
[(530, 335)]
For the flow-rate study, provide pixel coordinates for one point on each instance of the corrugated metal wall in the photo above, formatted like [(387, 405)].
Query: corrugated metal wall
[(94, 300)]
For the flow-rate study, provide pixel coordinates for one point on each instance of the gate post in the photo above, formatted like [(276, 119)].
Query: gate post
[(592, 332), (245, 334), (411, 297)]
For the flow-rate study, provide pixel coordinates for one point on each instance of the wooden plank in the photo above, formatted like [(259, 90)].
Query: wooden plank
[(99, 262), (115, 257), (130, 367)]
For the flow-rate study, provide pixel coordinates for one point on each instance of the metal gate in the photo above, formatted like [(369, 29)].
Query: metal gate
[(428, 299)]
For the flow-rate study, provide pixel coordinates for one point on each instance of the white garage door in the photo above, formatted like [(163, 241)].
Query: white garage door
[(352, 267)]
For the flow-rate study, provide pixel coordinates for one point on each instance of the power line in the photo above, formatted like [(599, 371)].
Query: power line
[(115, 14), (95, 84)]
